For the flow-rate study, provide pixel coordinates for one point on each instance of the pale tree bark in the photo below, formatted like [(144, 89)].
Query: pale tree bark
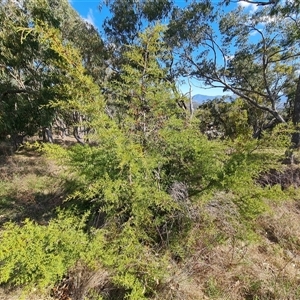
[(77, 118), (47, 135)]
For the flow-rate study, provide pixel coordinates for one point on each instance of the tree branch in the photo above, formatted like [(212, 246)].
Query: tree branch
[(260, 3), (19, 91)]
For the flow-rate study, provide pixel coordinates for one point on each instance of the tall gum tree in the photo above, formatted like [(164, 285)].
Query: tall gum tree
[(288, 9), (253, 59), (28, 76), (129, 17)]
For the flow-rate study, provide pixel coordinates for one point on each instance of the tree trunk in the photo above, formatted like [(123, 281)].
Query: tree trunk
[(76, 135), (47, 135), (296, 117), (17, 140)]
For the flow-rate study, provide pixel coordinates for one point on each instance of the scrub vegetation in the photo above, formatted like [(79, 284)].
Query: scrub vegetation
[(113, 188)]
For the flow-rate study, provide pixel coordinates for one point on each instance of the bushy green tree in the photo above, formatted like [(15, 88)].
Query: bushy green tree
[(225, 119), (29, 79), (143, 98), (139, 152)]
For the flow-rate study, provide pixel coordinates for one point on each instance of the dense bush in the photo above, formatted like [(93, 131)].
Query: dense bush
[(36, 255)]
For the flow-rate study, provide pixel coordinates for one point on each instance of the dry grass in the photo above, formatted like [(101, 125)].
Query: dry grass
[(82, 283), (29, 186), (223, 265)]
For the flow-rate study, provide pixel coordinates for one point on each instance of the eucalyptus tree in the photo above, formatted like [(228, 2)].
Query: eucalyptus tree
[(287, 10), (28, 75), (128, 18), (25, 79), (253, 58), (286, 6)]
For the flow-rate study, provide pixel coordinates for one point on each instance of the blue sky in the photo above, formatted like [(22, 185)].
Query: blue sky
[(89, 11)]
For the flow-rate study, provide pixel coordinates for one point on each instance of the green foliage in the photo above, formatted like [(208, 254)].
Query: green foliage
[(122, 186), (35, 255), (143, 97), (135, 266), (122, 30), (189, 156), (126, 175), (24, 77), (248, 159), (256, 70), (231, 119), (212, 290), (32, 72), (142, 145)]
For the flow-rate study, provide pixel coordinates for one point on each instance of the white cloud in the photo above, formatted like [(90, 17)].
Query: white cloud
[(253, 33), (248, 6), (229, 57), (244, 4), (90, 19)]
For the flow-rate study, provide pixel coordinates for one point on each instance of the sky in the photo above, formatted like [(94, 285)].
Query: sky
[(90, 12)]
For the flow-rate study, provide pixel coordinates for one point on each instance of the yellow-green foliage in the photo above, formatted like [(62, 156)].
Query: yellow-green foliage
[(229, 118), (134, 264), (35, 255), (245, 162), (189, 156), (126, 175)]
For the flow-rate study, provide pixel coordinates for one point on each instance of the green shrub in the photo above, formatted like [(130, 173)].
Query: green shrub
[(36, 255)]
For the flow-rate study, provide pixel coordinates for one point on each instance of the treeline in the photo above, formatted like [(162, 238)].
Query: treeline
[(140, 178), (254, 54)]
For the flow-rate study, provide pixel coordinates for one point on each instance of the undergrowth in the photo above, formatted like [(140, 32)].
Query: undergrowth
[(210, 247)]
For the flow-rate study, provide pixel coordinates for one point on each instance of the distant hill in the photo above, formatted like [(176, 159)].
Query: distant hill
[(199, 98)]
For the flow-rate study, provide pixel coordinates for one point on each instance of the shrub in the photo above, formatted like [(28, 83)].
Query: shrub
[(35, 255)]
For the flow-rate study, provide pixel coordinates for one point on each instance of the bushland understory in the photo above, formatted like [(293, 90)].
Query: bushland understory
[(216, 253)]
